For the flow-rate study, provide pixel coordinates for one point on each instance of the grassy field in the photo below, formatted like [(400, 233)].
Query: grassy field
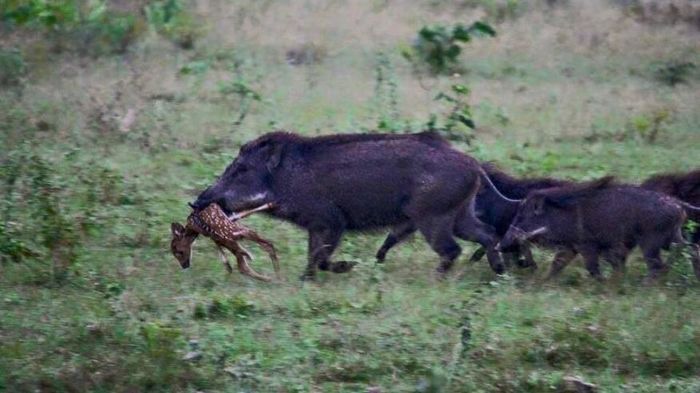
[(100, 152)]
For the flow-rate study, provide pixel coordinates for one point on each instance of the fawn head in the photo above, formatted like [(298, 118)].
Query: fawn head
[(181, 244)]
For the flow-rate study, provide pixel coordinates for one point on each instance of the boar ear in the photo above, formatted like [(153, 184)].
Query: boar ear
[(275, 157), (177, 229), (539, 205)]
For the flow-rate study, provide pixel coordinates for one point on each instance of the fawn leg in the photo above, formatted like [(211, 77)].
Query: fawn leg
[(224, 259)]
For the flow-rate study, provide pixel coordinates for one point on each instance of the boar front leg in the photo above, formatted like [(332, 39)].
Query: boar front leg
[(322, 243)]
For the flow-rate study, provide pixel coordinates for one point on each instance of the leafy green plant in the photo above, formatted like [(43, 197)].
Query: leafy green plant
[(385, 95), (88, 29), (437, 48), (168, 17), (675, 72), (240, 91), (648, 127), (457, 122)]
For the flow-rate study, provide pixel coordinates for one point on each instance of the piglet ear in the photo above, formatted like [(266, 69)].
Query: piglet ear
[(177, 229)]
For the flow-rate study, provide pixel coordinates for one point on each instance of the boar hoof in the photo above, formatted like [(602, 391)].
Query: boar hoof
[(478, 254), (499, 268), (308, 276), (325, 266), (342, 266), (524, 263)]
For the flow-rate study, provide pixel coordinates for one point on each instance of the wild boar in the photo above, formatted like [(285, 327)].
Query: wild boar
[(492, 209), (683, 186), (601, 218), (330, 184)]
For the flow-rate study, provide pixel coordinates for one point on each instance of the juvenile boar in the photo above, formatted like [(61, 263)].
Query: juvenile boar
[(600, 218), (494, 210), (356, 182), (683, 186)]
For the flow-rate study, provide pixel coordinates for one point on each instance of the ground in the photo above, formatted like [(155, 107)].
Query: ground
[(101, 153)]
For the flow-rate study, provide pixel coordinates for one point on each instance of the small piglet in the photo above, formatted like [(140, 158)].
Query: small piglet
[(601, 218)]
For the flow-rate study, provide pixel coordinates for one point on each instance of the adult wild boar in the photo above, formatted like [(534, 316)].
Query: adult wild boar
[(683, 186), (492, 209), (334, 183), (601, 218)]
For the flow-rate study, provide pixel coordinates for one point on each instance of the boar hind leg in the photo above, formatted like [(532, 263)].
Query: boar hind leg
[(470, 228), (652, 255), (617, 256), (561, 260), (397, 235), (437, 231), (590, 256), (695, 258)]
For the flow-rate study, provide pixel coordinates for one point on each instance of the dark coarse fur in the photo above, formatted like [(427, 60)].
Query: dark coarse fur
[(684, 186), (600, 217), (499, 213), (334, 183), (495, 211)]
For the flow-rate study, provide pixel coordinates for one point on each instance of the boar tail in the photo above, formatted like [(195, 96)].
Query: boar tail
[(492, 186)]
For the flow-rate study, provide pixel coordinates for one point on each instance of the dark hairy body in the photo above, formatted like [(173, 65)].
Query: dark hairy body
[(493, 210), (684, 186), (601, 218), (332, 184)]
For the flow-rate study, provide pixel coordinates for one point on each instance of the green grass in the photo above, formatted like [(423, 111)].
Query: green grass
[(97, 303)]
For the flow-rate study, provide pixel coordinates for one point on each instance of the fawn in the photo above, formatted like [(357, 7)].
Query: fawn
[(212, 222)]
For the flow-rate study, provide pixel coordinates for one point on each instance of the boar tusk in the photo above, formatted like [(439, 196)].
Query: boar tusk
[(536, 232), (245, 213)]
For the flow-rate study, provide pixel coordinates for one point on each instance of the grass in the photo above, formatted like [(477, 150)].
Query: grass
[(99, 304)]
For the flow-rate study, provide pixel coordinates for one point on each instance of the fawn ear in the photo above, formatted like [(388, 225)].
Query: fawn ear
[(177, 229)]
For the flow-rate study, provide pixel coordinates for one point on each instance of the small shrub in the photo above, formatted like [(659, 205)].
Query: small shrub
[(242, 93), (648, 127), (457, 124), (657, 12), (168, 17), (438, 47), (501, 10), (675, 72), (12, 67), (386, 95), (221, 307), (306, 54)]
